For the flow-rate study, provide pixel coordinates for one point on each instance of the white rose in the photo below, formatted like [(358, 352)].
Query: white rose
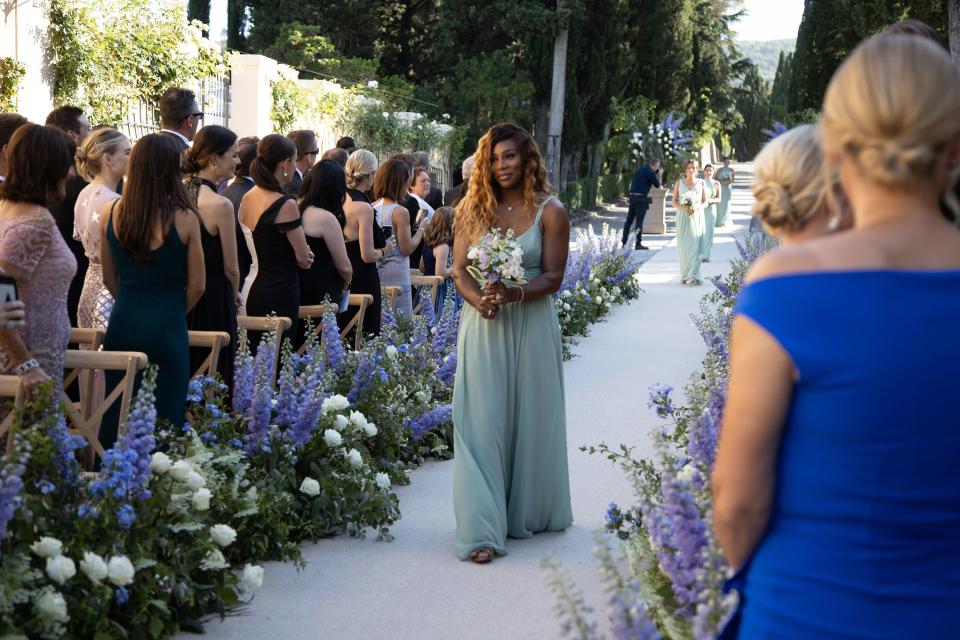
[(383, 481), (424, 396), (386, 115), (606, 304), (60, 569), (309, 487), (341, 422), (214, 560), (51, 607), (355, 459), (599, 299), (223, 535), (391, 351), (334, 403), (160, 462), (181, 470), (196, 481), (201, 499), (47, 547), (332, 438), (120, 571), (93, 566), (566, 294), (370, 429), (358, 418), (252, 577), (373, 84)]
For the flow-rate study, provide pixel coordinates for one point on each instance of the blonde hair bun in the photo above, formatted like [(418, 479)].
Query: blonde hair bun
[(790, 184)]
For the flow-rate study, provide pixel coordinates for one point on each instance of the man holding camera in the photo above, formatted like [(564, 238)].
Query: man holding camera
[(646, 177)]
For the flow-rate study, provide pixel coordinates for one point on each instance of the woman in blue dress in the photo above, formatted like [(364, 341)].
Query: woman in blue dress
[(836, 485)]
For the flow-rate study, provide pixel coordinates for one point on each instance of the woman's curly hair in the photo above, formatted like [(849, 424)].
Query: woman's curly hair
[(476, 212)]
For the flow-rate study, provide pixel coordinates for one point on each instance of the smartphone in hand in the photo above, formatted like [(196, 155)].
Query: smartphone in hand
[(8, 289)]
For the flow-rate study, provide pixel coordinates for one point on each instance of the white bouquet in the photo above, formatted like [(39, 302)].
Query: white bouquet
[(686, 203), (496, 257)]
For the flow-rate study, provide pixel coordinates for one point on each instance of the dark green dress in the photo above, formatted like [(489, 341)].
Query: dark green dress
[(149, 315)]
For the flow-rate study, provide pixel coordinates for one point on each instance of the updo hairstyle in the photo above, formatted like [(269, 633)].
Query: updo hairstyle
[(102, 142), (360, 165), (790, 183)]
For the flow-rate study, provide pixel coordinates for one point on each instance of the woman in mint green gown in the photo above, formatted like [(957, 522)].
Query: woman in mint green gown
[(510, 450), (690, 224), (712, 188), (725, 176)]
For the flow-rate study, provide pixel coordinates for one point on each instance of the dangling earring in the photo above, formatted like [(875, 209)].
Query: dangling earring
[(833, 222)]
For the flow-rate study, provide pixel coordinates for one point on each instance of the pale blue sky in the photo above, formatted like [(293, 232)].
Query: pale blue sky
[(765, 19), (770, 19)]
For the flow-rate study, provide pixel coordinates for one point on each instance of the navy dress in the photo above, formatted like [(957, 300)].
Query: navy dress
[(864, 534)]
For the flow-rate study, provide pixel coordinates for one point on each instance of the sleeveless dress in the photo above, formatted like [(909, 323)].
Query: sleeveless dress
[(395, 267), (321, 281), (216, 310), (366, 278), (95, 301), (723, 209), (863, 535), (690, 233), (273, 284), (510, 464), (709, 220), (149, 315), (38, 257), (430, 269)]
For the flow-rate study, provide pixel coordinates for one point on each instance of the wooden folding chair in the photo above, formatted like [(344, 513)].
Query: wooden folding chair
[(390, 295), (10, 388), (89, 338), (92, 340), (85, 420), (362, 302), (267, 323), (433, 282), (215, 341), (315, 313)]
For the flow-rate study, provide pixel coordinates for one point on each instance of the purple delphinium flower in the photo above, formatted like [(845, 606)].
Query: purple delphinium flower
[(426, 307), (660, 400), (429, 421), (778, 129), (388, 318), (264, 366), (367, 368), (122, 596), (628, 616), (11, 483), (286, 406), (702, 438), (308, 409), (243, 377), (448, 369), (613, 516), (332, 346)]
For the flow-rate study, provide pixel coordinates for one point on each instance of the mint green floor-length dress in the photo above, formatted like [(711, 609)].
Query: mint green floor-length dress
[(690, 233), (510, 447), (723, 211), (709, 219)]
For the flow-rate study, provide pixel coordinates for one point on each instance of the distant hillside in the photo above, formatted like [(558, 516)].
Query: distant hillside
[(764, 53)]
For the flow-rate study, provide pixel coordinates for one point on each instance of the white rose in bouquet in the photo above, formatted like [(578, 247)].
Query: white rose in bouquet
[(332, 437), (370, 429), (51, 607), (196, 481), (201, 499), (47, 547), (93, 566), (160, 462), (223, 535), (358, 418), (341, 422), (181, 470), (383, 481), (60, 569), (310, 487), (355, 459), (120, 571), (252, 577), (334, 403)]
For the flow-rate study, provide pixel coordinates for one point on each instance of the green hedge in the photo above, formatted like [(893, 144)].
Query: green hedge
[(587, 192)]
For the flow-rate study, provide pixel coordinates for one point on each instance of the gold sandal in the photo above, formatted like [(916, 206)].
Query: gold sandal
[(483, 555)]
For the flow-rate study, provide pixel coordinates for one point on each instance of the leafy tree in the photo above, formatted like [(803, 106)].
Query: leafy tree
[(199, 10), (753, 104)]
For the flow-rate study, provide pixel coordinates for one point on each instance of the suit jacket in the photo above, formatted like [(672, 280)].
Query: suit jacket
[(183, 146), (435, 198), (62, 212), (293, 187), (234, 193)]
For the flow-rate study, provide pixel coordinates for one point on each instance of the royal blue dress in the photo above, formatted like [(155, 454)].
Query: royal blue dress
[(864, 535)]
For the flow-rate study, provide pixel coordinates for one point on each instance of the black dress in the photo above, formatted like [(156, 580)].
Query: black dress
[(273, 284), (321, 281), (365, 276), (216, 310)]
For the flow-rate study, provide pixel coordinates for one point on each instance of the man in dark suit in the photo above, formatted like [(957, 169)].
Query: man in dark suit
[(452, 197), (71, 121), (646, 177), (307, 152), (180, 116), (242, 182)]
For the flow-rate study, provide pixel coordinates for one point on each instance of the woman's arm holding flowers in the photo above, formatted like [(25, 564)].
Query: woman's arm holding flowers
[(464, 282)]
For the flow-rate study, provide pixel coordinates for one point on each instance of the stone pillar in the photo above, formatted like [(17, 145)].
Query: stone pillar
[(251, 93), (656, 220)]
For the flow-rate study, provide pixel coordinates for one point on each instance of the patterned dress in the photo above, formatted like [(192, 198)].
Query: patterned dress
[(33, 251), (394, 269), (95, 301)]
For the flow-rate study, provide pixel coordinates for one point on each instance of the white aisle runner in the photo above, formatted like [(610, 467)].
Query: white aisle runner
[(415, 587)]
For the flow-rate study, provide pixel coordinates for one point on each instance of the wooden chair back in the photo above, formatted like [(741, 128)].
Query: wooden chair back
[(10, 388), (362, 302), (432, 282), (267, 323), (390, 295), (215, 341)]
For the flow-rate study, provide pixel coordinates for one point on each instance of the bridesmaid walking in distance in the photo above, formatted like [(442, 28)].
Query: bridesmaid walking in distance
[(510, 466), (690, 223), (213, 158), (712, 189), (725, 176), (153, 267)]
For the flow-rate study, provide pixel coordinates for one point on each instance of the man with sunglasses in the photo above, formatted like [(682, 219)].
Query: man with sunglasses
[(307, 152), (180, 116)]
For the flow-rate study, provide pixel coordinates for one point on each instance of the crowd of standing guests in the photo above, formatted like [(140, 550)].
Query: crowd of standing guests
[(187, 228)]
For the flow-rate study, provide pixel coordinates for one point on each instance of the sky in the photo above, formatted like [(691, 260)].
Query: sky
[(765, 19), (770, 20)]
